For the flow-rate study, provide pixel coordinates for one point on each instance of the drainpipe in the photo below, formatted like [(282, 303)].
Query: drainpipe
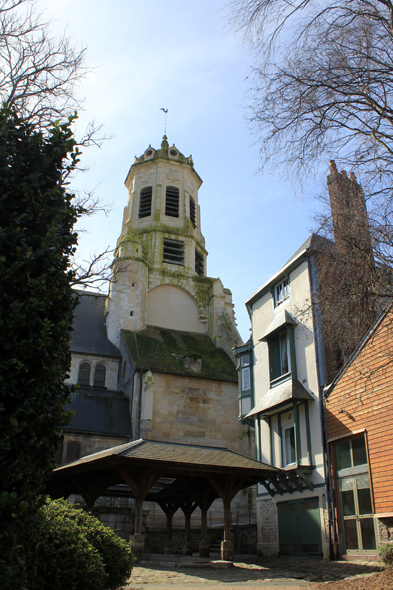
[(322, 378), (140, 405)]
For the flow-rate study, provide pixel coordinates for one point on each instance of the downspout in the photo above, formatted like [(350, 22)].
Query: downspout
[(322, 379), (138, 427)]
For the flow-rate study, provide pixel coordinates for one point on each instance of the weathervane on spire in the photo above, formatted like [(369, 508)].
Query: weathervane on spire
[(165, 111)]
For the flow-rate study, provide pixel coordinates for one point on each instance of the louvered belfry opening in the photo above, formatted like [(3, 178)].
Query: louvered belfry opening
[(172, 201), (193, 212), (145, 197), (173, 251), (199, 264)]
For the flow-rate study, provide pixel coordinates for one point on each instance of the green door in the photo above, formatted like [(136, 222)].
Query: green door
[(299, 528)]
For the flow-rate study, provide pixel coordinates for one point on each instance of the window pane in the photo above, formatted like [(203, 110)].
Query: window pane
[(246, 379), (245, 360), (343, 455), (368, 534), (359, 451), (289, 442), (246, 405), (348, 502), (84, 374), (284, 354), (99, 376), (351, 536), (59, 454)]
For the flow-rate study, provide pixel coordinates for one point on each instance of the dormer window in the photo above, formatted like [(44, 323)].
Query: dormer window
[(281, 291), (145, 198), (193, 212), (172, 201)]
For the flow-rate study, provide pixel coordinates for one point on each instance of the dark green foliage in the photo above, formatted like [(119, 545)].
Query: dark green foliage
[(72, 550), (36, 310), (385, 552)]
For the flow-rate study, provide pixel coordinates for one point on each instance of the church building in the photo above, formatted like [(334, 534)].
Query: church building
[(154, 359)]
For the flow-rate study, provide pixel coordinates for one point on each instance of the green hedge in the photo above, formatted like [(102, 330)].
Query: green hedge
[(73, 550)]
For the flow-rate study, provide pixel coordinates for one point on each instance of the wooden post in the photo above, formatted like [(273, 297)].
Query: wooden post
[(90, 492), (227, 490), (188, 507), (140, 484), (169, 508)]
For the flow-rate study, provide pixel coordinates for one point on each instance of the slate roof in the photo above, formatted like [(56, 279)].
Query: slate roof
[(162, 350), (89, 335), (181, 454), (100, 411)]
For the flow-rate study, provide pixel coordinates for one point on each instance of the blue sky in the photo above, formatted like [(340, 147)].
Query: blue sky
[(180, 55)]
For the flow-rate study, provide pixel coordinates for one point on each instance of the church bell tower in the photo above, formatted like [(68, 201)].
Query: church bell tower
[(159, 269)]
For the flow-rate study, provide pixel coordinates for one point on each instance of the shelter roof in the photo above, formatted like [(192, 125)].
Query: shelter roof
[(162, 350), (89, 335), (189, 467)]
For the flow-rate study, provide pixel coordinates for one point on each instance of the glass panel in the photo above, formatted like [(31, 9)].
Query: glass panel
[(284, 354), (246, 379), (348, 501), (351, 537), (286, 508), (309, 505), (359, 451), (99, 376), (289, 442), (364, 499), (246, 405), (245, 360), (368, 534), (343, 455), (84, 374)]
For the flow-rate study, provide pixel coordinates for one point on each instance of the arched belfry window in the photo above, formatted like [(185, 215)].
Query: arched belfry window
[(99, 376), (73, 452), (145, 198), (172, 201), (84, 374), (193, 212)]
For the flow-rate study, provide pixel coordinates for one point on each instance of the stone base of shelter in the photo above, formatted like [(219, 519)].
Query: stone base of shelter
[(227, 550), (138, 545)]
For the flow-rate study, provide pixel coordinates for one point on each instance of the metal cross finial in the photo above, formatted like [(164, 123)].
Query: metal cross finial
[(165, 111)]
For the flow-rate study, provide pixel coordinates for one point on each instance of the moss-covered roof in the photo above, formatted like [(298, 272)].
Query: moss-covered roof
[(163, 351)]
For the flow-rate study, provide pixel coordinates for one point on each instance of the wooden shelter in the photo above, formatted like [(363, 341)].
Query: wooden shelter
[(173, 475)]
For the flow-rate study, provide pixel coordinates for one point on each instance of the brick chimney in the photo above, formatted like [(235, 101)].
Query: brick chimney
[(349, 214)]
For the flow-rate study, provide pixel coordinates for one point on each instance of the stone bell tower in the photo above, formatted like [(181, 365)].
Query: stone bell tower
[(159, 269)]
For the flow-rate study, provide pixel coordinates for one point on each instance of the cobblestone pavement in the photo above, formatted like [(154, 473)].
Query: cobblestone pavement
[(248, 573)]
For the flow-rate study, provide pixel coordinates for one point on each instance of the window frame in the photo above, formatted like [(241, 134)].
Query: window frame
[(285, 429), (99, 366), (283, 288), (276, 359)]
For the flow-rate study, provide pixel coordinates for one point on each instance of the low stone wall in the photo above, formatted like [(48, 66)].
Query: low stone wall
[(156, 539), (244, 537)]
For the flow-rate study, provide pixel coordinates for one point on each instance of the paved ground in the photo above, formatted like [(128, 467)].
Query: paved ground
[(248, 573)]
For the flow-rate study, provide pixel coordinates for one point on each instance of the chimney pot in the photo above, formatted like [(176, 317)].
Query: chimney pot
[(352, 176), (344, 173), (333, 167)]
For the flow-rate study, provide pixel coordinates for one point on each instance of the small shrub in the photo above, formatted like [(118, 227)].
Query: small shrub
[(385, 552), (72, 550)]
